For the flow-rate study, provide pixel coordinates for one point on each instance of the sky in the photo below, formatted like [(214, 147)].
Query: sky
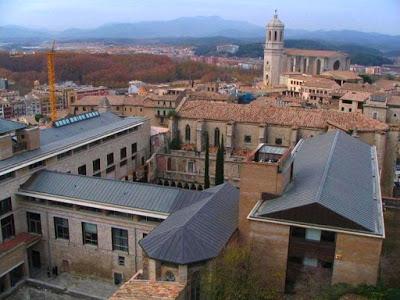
[(381, 16)]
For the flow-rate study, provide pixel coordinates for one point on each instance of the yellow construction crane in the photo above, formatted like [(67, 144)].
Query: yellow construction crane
[(52, 83)]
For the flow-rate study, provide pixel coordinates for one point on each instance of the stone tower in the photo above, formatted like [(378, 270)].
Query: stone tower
[(273, 51)]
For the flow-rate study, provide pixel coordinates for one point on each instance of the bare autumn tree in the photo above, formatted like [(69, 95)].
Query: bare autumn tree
[(235, 275)]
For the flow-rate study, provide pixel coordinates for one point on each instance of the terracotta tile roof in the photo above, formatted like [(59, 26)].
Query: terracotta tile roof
[(148, 290), (277, 101), (113, 99), (284, 116), (22, 238), (394, 101), (359, 87), (356, 96), (314, 53), (208, 96), (319, 82), (387, 84), (341, 75)]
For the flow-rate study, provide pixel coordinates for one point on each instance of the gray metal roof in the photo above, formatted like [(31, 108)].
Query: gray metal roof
[(197, 232), (119, 193), (9, 126), (58, 139), (337, 172)]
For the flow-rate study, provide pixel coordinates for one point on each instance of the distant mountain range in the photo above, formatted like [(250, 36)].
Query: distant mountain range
[(196, 27)]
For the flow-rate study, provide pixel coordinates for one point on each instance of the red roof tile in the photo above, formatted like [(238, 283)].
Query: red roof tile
[(284, 116)]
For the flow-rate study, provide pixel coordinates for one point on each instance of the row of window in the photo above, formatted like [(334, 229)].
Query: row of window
[(247, 138), (89, 231), (96, 164)]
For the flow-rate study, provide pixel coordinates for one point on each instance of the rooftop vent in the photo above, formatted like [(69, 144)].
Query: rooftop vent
[(75, 119)]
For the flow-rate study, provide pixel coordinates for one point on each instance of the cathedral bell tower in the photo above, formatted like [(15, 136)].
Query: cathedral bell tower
[(273, 51)]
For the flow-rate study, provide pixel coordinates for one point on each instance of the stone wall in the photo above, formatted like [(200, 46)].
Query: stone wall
[(74, 256)]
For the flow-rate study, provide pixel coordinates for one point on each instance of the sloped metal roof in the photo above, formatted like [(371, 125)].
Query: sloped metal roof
[(58, 139), (9, 126), (337, 172), (197, 232), (126, 194)]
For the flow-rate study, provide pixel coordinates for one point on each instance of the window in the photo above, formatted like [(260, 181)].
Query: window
[(122, 153), (278, 141), (349, 109), (34, 224), (121, 261), (134, 148), (7, 227), (96, 165), (190, 167), (89, 233), (187, 133), (144, 235), (7, 176), (110, 159), (82, 170), (110, 169), (247, 138), (374, 115), (123, 163), (80, 149), (118, 278), (216, 137), (119, 239), (328, 236), (5, 206), (313, 234), (311, 262), (61, 228), (298, 232), (64, 155), (37, 165)]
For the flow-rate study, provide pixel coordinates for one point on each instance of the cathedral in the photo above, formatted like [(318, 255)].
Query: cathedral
[(278, 60)]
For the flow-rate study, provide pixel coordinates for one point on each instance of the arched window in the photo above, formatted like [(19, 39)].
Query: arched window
[(269, 35), (318, 66), (216, 137), (281, 35), (187, 133), (336, 65), (275, 35)]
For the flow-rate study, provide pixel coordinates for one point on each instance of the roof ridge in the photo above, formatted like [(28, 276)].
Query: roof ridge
[(327, 167)]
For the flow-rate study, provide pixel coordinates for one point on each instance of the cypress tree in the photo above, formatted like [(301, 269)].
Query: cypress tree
[(219, 164), (207, 165)]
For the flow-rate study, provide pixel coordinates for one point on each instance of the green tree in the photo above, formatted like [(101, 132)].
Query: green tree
[(207, 165), (175, 143), (219, 164), (235, 274), (38, 117)]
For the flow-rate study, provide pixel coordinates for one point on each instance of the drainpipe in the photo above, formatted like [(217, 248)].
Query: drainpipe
[(48, 242), (135, 250)]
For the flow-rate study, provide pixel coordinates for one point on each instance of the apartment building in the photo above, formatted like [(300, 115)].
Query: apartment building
[(92, 144)]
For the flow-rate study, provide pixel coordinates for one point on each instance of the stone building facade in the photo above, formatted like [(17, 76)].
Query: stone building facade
[(244, 127)]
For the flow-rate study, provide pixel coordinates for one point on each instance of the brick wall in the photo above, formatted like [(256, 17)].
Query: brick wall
[(356, 259)]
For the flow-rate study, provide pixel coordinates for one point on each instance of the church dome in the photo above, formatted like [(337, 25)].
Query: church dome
[(275, 22)]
